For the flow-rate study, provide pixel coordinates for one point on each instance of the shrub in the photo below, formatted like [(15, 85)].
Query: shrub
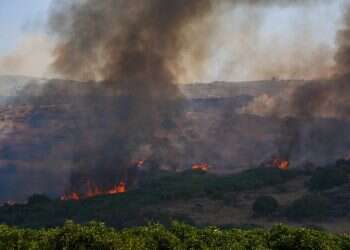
[(177, 236), (327, 178), (265, 206), (287, 238), (309, 207)]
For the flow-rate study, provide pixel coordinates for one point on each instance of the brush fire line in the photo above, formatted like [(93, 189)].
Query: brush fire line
[(94, 191), (200, 167)]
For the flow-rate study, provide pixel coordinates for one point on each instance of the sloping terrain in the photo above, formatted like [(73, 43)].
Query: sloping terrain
[(304, 198), (39, 133)]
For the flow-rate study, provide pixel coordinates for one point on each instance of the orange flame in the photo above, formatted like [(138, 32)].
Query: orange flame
[(120, 188), (281, 164), (72, 196), (94, 191), (200, 166)]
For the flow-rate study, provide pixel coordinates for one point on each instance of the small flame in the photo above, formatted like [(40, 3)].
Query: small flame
[(72, 196), (93, 190), (281, 164), (200, 166), (120, 188), (140, 163)]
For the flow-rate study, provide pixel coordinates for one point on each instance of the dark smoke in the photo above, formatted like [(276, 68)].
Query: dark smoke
[(129, 54), (132, 49)]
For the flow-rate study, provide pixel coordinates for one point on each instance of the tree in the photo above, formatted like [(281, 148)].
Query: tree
[(309, 207), (327, 178), (38, 199), (265, 206)]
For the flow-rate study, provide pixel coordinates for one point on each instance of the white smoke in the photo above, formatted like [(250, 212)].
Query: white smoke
[(31, 57)]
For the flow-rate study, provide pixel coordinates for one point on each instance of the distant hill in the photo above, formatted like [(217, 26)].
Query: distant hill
[(12, 86), (230, 89)]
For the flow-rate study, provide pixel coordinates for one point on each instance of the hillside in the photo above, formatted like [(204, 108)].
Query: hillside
[(39, 133)]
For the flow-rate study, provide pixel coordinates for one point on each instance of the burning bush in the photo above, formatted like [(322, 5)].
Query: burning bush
[(265, 206), (93, 190), (200, 167), (281, 164)]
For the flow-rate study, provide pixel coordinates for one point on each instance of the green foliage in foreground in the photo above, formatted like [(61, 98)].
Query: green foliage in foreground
[(177, 236)]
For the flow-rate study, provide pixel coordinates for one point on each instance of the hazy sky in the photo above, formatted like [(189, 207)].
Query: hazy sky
[(22, 35), (19, 18)]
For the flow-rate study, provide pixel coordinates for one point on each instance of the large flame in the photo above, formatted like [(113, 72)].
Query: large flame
[(93, 190)]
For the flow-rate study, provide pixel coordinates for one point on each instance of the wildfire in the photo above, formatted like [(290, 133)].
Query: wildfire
[(281, 164), (72, 196), (120, 188), (200, 166), (93, 190)]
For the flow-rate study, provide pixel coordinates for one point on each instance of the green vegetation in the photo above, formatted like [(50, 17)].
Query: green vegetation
[(309, 207), (177, 236), (265, 206), (139, 206), (327, 178), (191, 184)]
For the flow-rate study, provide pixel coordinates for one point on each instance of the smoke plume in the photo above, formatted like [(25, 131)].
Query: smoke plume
[(131, 53), (307, 104), (134, 50), (131, 48)]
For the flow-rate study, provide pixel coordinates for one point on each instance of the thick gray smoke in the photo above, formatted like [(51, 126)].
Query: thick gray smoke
[(133, 48), (129, 53)]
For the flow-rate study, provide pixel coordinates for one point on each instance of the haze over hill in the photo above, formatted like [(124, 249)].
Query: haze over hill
[(11, 85), (221, 126)]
